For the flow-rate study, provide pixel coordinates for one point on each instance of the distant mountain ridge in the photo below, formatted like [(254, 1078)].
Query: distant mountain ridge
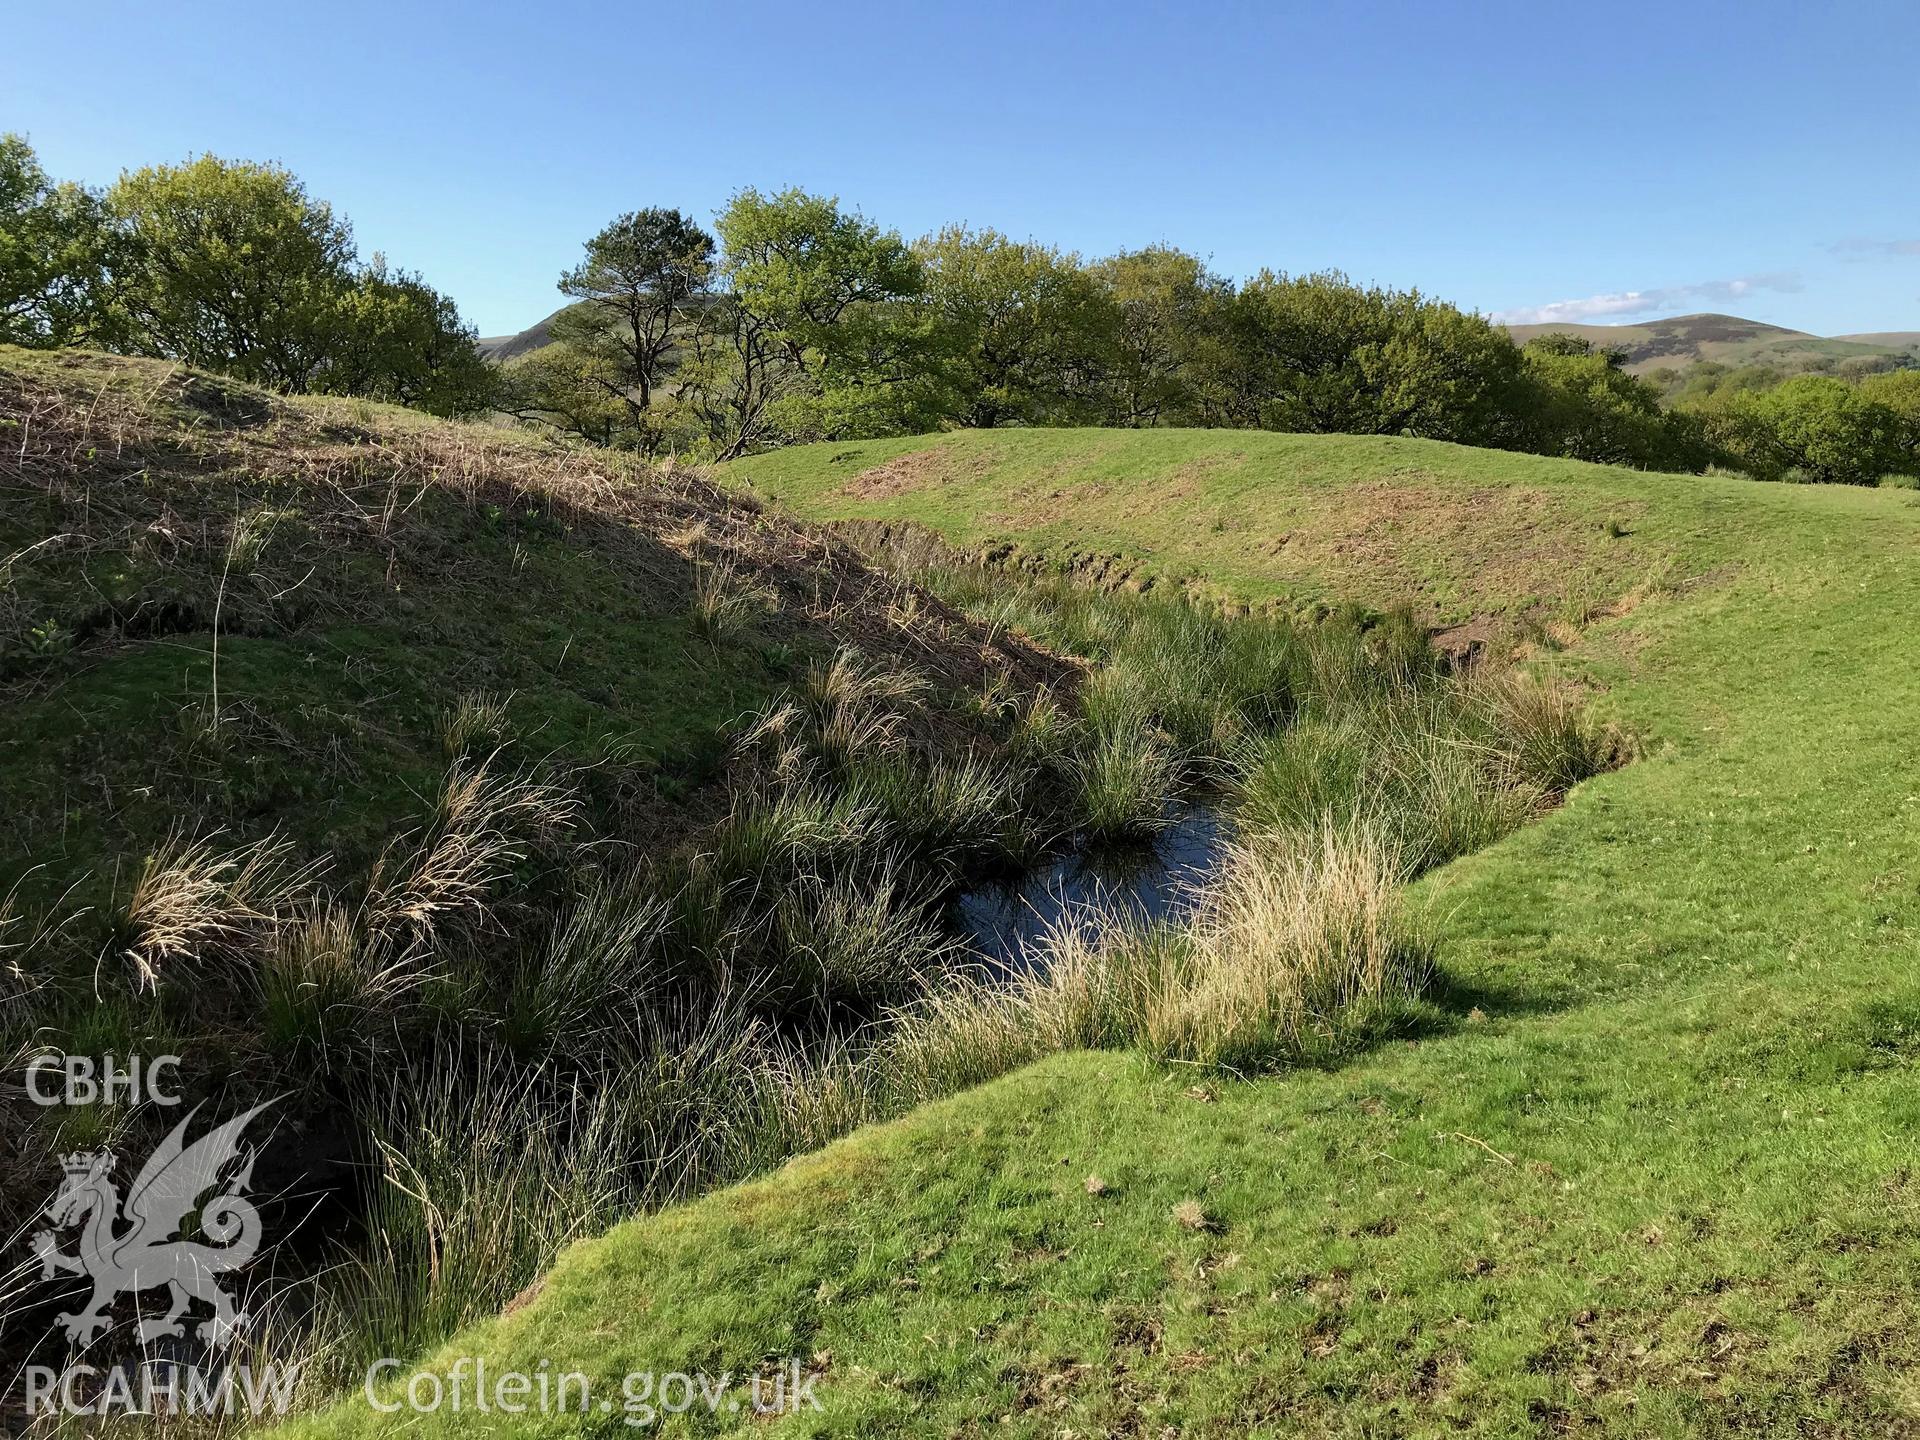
[(1729, 340), (502, 348), (1677, 342)]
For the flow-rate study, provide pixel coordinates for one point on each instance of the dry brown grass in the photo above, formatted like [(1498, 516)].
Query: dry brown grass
[(483, 825), (1192, 1215), (1288, 945), (200, 478), (1292, 950), (192, 901), (855, 707), (475, 723)]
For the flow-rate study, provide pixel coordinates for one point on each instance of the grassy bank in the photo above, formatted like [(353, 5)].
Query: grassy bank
[(1655, 1176), (1454, 532), (525, 973)]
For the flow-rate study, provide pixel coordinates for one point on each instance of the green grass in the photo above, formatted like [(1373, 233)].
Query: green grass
[(1656, 1175), (1453, 531), (345, 637), (559, 998)]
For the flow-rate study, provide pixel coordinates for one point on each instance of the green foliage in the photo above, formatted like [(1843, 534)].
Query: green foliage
[(821, 292), (574, 390), (1319, 354), (1899, 392), (232, 266), (1168, 335), (807, 321), (1586, 406), (642, 278), (1025, 332), (814, 272), (1813, 427), (55, 253), (398, 339)]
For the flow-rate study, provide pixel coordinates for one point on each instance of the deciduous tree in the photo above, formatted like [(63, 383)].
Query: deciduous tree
[(56, 253), (1025, 333), (232, 266)]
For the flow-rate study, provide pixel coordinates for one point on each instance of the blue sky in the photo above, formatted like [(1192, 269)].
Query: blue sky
[(1618, 160)]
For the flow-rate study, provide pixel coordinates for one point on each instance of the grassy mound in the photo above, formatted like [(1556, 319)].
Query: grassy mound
[(364, 571), (1458, 535), (1659, 1175)]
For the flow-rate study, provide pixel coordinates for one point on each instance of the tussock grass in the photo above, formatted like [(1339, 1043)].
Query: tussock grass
[(725, 603), (1043, 732), (483, 1177), (1544, 729), (855, 708), (326, 987), (948, 811), (603, 960), (791, 828), (858, 940), (191, 901), (1089, 986), (1443, 766), (1292, 951), (483, 824), (1125, 781), (475, 725)]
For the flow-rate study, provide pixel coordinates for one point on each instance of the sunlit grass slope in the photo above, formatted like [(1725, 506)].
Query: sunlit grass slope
[(1659, 1174)]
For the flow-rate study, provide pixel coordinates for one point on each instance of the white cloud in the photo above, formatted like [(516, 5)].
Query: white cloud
[(1861, 249), (1665, 298)]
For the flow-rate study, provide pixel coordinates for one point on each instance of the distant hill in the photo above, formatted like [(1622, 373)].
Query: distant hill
[(1657, 344), (501, 348), (1687, 339), (1898, 339)]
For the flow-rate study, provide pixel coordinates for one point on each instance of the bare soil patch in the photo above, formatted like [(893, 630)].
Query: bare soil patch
[(916, 470), (1487, 544)]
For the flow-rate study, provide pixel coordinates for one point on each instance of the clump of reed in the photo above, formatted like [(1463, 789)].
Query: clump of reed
[(725, 603), (484, 823), (192, 901), (325, 987), (1294, 950), (1443, 769)]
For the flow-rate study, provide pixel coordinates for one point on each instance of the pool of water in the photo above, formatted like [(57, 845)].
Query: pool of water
[(1144, 882)]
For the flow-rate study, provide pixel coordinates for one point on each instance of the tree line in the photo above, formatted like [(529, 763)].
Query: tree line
[(797, 319), (229, 266), (1857, 424)]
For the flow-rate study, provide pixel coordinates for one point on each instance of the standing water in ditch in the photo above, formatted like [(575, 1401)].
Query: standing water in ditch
[(1153, 880)]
